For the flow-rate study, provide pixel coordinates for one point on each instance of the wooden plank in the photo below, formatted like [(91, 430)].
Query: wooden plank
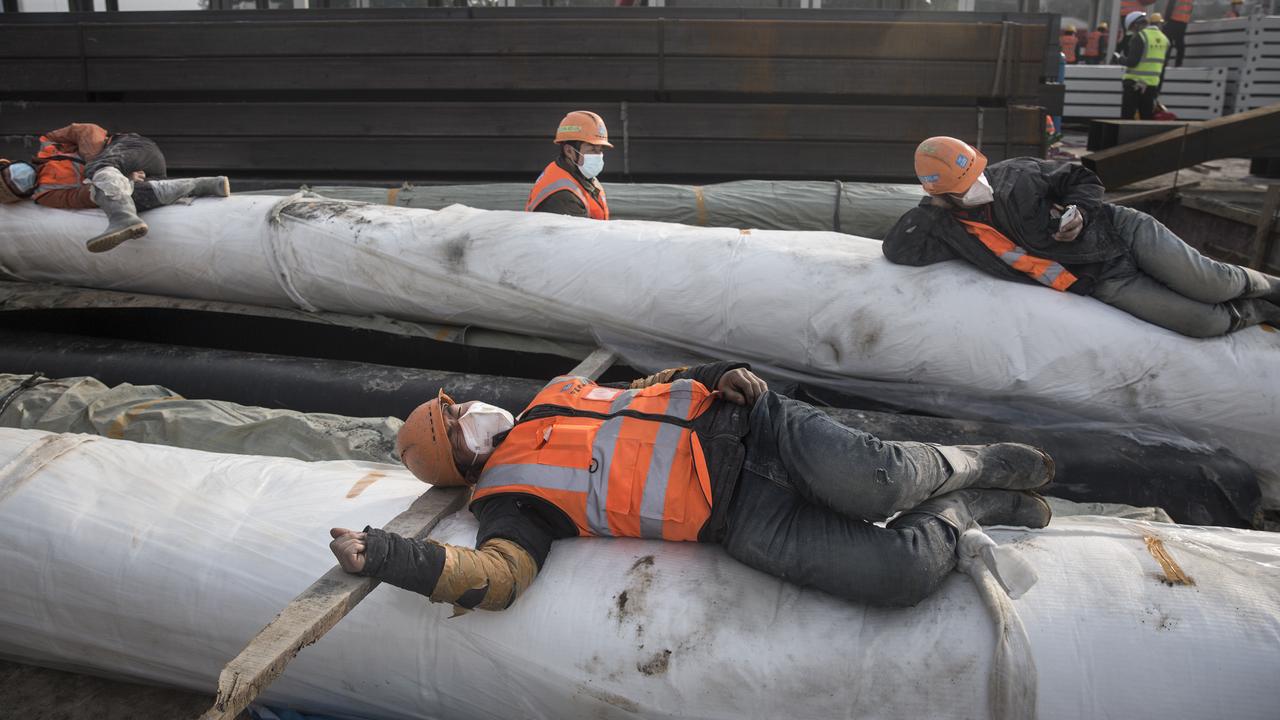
[(834, 39), (1156, 194), (1239, 135), (1263, 239), (266, 38), (320, 607)]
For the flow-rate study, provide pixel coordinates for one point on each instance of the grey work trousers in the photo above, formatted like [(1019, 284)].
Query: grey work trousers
[(809, 493), (1165, 281)]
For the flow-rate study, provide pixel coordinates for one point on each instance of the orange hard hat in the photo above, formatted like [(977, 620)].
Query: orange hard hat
[(947, 165), (423, 444), (584, 126)]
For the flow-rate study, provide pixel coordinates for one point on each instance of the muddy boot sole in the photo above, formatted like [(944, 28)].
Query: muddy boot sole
[(112, 240)]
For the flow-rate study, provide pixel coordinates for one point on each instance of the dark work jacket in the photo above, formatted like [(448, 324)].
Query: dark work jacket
[(1025, 189), (533, 523)]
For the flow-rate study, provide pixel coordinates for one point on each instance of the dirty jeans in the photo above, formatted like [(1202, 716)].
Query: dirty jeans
[(809, 493), (1166, 282)]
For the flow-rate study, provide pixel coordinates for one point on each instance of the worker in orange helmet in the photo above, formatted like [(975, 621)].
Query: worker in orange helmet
[(700, 454), (1044, 222), (569, 185), (1069, 42)]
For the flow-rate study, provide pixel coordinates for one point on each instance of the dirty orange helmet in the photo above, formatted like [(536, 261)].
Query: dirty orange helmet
[(584, 126), (947, 165), (423, 444)]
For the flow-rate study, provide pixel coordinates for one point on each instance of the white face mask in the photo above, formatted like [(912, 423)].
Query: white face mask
[(978, 194), (23, 177), (592, 165), (481, 423)]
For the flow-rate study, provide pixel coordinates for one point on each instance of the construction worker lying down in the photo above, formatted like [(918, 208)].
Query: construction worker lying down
[(1044, 222), (81, 166), (703, 454)]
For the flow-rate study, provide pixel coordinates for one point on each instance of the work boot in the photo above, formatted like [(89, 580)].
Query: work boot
[(1008, 466), (965, 508), (1261, 285), (1253, 311), (169, 192), (123, 222)]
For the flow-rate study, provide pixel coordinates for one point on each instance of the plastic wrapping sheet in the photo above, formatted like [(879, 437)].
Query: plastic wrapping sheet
[(153, 414), (867, 209), (823, 307), (170, 560)]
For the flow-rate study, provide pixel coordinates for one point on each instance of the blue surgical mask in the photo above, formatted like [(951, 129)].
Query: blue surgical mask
[(592, 165), (23, 177)]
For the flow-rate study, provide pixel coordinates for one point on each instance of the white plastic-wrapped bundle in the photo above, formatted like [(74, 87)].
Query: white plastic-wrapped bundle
[(822, 306), (160, 564)]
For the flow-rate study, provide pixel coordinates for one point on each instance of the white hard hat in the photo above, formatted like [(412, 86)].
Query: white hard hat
[(1133, 17)]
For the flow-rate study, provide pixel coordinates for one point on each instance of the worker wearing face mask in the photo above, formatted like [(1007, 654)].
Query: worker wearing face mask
[(1044, 222), (569, 184)]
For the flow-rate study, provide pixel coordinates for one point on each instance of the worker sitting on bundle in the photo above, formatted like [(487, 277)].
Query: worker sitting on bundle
[(1143, 57), (81, 166), (1044, 222), (704, 454), (569, 184)]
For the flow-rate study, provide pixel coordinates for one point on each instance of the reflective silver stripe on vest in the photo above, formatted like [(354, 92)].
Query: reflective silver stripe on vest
[(557, 186), (1050, 274), (654, 501), (602, 455), (551, 477), (1013, 255)]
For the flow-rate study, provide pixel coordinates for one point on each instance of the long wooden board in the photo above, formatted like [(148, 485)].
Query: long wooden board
[(322, 605)]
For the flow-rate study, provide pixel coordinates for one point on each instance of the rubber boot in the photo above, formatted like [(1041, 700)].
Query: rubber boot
[(1008, 466), (1253, 311), (965, 508), (123, 222), (1261, 285), (169, 192)]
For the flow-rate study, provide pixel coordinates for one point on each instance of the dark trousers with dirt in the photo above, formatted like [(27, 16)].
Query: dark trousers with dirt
[(808, 498), (1177, 34), (1137, 100)]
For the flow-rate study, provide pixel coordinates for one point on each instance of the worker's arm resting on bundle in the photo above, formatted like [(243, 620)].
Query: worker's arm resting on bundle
[(734, 380), (913, 240)]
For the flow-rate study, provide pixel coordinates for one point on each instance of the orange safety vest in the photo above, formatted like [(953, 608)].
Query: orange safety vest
[(619, 463), (1045, 272), (554, 179), (1182, 11), (1068, 44), (58, 167), (1128, 6), (1092, 44)]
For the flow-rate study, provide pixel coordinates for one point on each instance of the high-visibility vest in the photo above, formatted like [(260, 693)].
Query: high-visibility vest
[(1151, 66), (1045, 272), (58, 167), (554, 179), (1093, 44), (1182, 11), (619, 463), (1068, 44)]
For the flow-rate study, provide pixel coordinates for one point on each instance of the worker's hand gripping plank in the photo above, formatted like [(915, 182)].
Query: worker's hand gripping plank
[(314, 612)]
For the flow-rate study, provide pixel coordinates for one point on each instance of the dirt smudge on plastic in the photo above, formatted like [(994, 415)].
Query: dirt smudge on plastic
[(363, 483), (656, 665)]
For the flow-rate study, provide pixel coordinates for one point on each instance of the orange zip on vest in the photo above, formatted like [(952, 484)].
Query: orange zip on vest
[(619, 463), (554, 179), (58, 167), (1045, 272)]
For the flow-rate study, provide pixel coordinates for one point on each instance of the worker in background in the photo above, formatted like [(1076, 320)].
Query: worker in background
[(1093, 45), (569, 185), (81, 166), (1175, 28), (1156, 21), (704, 454), (1044, 222), (1068, 42), (1236, 10), (1143, 58), (1126, 8)]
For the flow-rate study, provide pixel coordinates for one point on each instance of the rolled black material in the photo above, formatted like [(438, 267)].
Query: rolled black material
[(1205, 488)]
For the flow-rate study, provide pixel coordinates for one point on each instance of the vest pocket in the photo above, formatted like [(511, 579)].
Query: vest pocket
[(568, 444)]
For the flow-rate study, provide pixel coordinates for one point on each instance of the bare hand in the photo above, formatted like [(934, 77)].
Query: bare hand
[(137, 176), (348, 547), (741, 386), (1071, 229)]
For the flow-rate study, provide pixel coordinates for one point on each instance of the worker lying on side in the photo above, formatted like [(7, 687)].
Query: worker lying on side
[(703, 454), (1044, 222), (569, 185), (81, 166)]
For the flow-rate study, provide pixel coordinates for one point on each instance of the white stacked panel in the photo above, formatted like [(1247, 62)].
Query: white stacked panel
[(1191, 93), (1219, 44), (1260, 76)]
